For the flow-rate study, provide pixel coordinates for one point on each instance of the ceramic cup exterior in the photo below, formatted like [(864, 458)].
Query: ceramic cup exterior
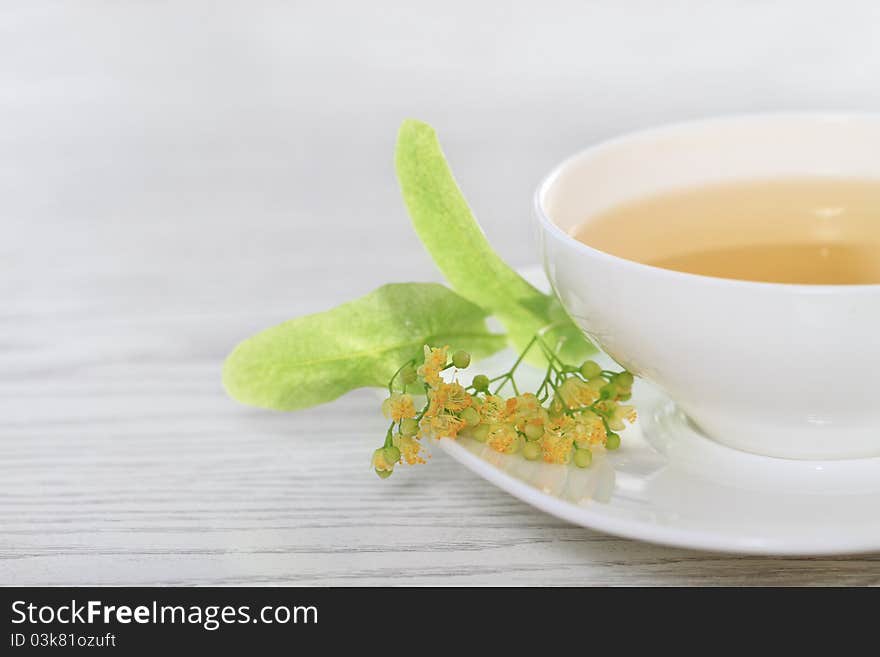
[(782, 370)]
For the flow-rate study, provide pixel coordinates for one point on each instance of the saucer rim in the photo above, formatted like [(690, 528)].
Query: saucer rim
[(657, 534)]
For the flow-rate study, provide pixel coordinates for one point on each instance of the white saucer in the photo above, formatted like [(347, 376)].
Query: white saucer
[(669, 484)]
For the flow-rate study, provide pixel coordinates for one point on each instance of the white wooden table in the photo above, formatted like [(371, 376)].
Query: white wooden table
[(176, 177)]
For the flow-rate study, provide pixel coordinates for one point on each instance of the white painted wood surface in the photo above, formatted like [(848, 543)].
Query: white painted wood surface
[(176, 176)]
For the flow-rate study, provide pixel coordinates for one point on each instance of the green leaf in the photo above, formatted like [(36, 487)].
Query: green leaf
[(317, 358), (456, 242)]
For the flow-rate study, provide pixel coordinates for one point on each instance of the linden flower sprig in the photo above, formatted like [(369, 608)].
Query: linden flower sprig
[(574, 409)]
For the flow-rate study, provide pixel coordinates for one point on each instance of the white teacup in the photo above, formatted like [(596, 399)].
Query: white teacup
[(776, 369)]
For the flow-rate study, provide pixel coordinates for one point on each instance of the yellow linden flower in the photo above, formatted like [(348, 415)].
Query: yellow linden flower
[(439, 420), (410, 450), (504, 438), (435, 360), (621, 413), (399, 406), (527, 405), (446, 399), (556, 443), (576, 393), (456, 397), (435, 403), (441, 426), (493, 409), (526, 409), (588, 430)]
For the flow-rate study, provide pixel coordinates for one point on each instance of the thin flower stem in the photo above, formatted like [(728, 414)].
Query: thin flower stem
[(501, 385), (400, 369), (547, 378), (508, 375), (523, 354), (539, 393), (550, 355)]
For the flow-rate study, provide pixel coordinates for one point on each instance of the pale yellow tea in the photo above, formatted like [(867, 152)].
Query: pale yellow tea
[(822, 231)]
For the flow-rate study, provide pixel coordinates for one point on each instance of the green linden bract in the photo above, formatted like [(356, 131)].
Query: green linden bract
[(315, 359)]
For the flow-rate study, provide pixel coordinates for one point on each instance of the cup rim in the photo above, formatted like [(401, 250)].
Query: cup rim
[(658, 130)]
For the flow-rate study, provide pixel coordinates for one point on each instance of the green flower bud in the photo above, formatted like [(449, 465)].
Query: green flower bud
[(531, 451), (392, 454), (608, 391), (480, 433), (612, 442), (583, 457), (384, 474), (597, 383), (624, 380), (380, 460), (470, 416), (461, 359), (408, 375), (409, 427), (481, 383), (590, 369), (533, 431)]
